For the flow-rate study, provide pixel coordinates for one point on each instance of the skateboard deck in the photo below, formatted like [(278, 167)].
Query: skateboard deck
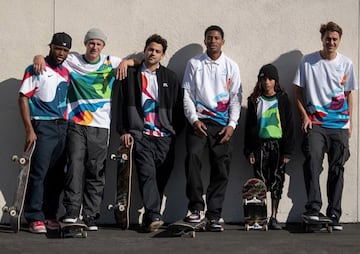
[(15, 210), (123, 190), (254, 203), (185, 229), (73, 230), (323, 224)]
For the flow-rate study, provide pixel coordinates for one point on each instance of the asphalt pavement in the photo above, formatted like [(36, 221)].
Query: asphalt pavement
[(109, 239)]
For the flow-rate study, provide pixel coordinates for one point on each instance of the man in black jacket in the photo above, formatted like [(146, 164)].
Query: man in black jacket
[(150, 110)]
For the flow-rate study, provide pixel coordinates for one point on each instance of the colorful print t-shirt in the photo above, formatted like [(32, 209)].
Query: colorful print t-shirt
[(90, 92), (269, 118), (150, 102), (326, 82), (46, 92)]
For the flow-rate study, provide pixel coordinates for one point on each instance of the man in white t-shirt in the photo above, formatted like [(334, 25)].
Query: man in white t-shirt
[(323, 85), (212, 102)]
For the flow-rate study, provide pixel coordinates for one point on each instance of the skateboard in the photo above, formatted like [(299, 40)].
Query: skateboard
[(254, 202), (185, 229), (123, 191), (16, 209), (73, 230), (323, 224)]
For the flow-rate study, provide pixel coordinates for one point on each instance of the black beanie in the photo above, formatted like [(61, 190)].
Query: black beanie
[(269, 71)]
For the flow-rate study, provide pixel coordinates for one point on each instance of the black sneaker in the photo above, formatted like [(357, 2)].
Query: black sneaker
[(311, 215), (335, 223), (155, 225), (214, 226), (194, 217), (274, 224), (91, 223)]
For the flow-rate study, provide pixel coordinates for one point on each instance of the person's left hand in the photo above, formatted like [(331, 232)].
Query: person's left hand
[(225, 134)]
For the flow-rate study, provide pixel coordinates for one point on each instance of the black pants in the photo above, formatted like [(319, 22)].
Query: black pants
[(220, 158), (317, 142), (154, 161), (46, 179), (268, 168), (85, 177)]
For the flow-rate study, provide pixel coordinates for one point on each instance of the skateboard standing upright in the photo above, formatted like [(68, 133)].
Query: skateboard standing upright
[(254, 202), (15, 210), (185, 229), (123, 190)]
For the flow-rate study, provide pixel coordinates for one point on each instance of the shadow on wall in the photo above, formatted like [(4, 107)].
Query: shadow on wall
[(12, 135), (11, 139), (176, 201), (178, 61), (287, 65)]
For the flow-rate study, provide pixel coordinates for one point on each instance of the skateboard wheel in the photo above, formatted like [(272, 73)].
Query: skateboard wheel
[(124, 157), (245, 201), (5, 209), (22, 161), (110, 206), (14, 158), (329, 229), (265, 227), (12, 212), (121, 208), (84, 234), (113, 157), (247, 228)]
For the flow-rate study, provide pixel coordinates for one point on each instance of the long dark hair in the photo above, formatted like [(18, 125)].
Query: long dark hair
[(258, 89)]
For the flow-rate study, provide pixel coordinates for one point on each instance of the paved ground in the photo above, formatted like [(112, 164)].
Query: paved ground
[(292, 239)]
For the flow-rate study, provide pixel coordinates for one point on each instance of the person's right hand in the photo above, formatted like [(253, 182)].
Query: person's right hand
[(200, 128), (126, 139), (29, 140), (306, 124), (39, 64)]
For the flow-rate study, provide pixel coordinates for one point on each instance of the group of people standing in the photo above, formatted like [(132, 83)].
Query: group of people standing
[(67, 109)]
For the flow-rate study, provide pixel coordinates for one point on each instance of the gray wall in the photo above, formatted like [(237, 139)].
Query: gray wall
[(256, 32)]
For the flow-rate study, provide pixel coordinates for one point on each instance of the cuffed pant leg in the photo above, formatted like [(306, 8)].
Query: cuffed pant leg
[(76, 152), (94, 183), (338, 154), (313, 147)]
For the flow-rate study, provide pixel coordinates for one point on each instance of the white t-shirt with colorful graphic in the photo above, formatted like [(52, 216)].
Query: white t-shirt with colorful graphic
[(325, 82), (212, 90), (90, 92)]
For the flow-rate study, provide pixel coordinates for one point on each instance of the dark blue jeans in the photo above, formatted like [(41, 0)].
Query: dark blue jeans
[(317, 142), (46, 179)]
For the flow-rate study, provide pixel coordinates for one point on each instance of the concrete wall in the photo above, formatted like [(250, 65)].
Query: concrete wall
[(256, 32)]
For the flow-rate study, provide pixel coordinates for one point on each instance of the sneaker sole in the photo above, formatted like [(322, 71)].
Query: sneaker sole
[(92, 228), (70, 220), (311, 217), (338, 228), (38, 232), (154, 226)]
